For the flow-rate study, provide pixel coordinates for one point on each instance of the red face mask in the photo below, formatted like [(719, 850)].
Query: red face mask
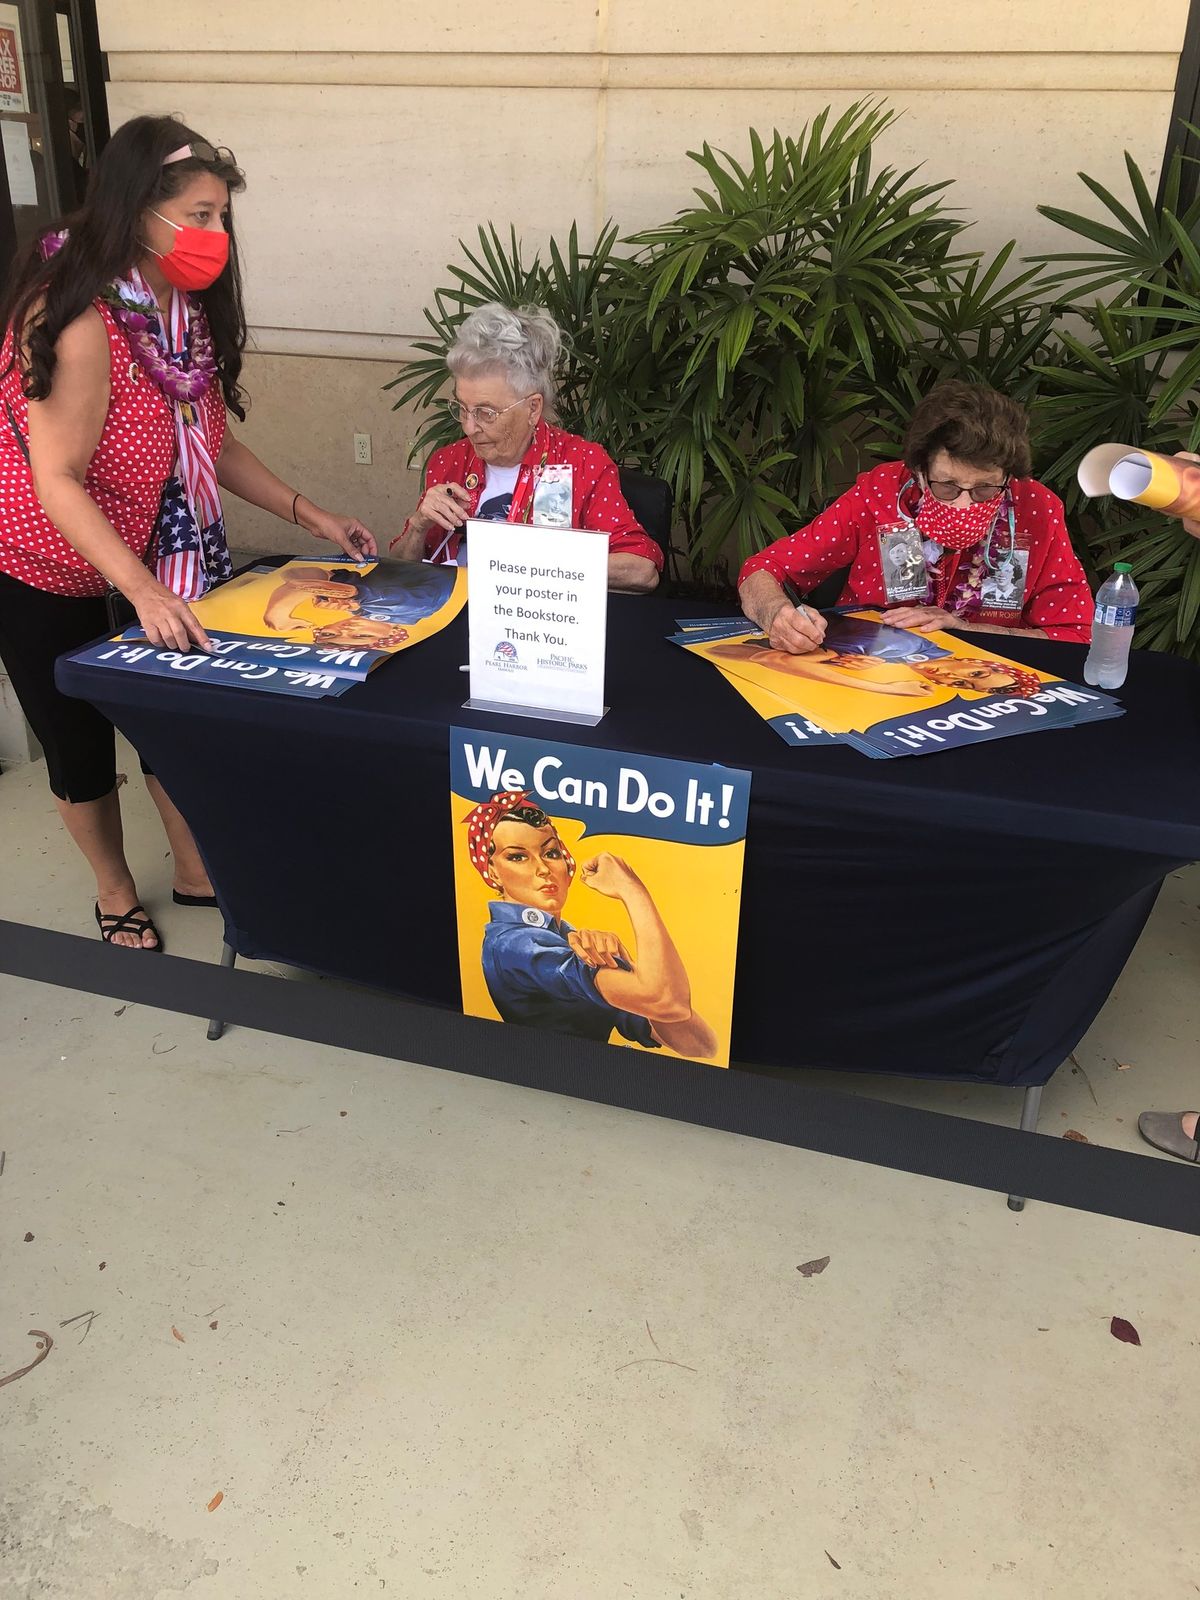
[(197, 258), (955, 527)]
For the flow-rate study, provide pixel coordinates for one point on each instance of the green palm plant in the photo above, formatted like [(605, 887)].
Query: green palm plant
[(760, 345), (751, 325), (1129, 371), (983, 323)]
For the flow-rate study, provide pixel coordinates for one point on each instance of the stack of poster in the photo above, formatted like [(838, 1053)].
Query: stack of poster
[(307, 628), (888, 691), (597, 892)]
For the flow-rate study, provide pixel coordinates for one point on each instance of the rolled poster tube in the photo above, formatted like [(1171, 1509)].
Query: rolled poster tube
[(1165, 483)]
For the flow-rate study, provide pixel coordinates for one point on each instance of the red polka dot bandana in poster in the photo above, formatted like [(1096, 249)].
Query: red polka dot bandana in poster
[(481, 825)]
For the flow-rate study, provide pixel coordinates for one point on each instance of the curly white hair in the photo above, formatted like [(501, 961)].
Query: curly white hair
[(524, 345)]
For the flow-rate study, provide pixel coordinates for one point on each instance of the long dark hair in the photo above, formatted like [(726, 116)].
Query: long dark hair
[(103, 243)]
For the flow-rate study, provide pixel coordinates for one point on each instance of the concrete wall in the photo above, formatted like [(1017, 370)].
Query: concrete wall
[(376, 135)]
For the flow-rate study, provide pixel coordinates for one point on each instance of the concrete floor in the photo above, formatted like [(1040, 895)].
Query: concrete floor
[(468, 1340)]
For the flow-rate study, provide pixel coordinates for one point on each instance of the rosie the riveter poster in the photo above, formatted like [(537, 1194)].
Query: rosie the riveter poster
[(598, 893)]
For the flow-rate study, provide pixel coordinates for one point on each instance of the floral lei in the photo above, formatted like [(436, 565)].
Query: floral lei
[(135, 310), (138, 318)]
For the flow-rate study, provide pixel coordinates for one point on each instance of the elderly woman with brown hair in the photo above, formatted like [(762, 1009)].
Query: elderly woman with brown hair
[(955, 535)]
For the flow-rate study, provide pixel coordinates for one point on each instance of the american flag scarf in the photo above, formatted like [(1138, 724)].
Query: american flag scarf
[(191, 552)]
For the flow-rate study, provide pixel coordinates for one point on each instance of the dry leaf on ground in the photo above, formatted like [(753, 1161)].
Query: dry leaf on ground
[(1079, 1138), (811, 1268), (178, 1335), (1125, 1331), (216, 1500)]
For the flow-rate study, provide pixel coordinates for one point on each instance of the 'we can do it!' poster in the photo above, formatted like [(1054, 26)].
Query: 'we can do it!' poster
[(598, 893)]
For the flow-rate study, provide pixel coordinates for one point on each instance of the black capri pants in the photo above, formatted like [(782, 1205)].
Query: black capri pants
[(35, 629)]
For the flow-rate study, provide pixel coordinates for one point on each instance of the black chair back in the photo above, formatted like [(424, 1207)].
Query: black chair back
[(826, 594), (651, 502)]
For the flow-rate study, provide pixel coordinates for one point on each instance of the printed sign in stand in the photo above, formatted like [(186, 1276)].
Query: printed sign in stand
[(538, 615)]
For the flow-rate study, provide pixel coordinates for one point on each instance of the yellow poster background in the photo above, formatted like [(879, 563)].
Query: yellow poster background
[(855, 707), (697, 889), (239, 606)]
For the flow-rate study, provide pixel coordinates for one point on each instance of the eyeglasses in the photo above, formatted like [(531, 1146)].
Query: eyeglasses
[(484, 415), (201, 150), (945, 489)]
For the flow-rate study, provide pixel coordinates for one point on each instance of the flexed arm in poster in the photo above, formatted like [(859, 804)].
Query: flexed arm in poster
[(543, 972), (348, 631), (656, 984), (822, 665)]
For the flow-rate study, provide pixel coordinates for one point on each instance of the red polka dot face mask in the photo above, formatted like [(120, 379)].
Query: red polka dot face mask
[(956, 527)]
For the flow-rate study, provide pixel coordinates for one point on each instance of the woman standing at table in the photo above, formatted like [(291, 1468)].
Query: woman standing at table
[(956, 535), (122, 350)]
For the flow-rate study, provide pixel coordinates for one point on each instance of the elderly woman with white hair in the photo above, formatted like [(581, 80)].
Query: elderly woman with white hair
[(513, 464)]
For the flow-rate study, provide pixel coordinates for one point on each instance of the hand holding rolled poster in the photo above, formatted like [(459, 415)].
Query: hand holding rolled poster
[(1166, 483)]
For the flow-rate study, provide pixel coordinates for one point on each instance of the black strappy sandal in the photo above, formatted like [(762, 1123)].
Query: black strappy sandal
[(209, 901), (109, 924)]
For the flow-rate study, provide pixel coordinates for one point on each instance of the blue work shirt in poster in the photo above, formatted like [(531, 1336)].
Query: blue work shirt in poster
[(855, 636), (536, 979), (385, 597)]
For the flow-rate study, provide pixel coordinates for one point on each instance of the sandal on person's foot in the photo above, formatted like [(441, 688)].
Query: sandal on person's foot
[(1164, 1130), (110, 924), (207, 900)]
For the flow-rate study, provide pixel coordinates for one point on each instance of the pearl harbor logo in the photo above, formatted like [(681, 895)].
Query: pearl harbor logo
[(504, 656)]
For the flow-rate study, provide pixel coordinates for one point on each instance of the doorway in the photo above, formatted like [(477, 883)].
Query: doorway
[(53, 114)]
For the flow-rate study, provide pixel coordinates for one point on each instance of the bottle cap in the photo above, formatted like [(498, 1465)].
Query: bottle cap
[(1122, 566)]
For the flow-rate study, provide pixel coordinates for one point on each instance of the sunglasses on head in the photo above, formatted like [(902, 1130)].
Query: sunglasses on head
[(201, 150)]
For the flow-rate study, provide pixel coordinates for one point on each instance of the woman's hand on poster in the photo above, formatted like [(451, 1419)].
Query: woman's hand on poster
[(348, 533), (168, 622), (609, 875), (443, 506), (923, 619), (1190, 525), (598, 949), (795, 629)]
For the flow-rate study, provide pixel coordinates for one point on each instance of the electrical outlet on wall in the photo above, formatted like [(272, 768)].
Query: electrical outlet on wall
[(362, 449)]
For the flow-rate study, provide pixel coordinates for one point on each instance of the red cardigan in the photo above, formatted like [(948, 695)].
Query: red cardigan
[(1057, 597)]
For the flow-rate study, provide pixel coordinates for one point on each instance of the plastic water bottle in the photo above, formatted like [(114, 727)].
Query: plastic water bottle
[(1112, 630)]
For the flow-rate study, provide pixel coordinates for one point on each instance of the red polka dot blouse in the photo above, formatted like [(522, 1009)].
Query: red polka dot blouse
[(134, 459), (598, 503), (1057, 597)]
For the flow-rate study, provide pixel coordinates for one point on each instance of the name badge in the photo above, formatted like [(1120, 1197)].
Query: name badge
[(1004, 589), (552, 497), (905, 575)]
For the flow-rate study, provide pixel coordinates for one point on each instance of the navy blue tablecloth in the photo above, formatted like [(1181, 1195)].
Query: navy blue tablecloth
[(962, 915)]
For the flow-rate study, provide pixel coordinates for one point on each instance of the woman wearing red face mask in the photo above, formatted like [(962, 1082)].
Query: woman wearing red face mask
[(956, 535), (122, 350)]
